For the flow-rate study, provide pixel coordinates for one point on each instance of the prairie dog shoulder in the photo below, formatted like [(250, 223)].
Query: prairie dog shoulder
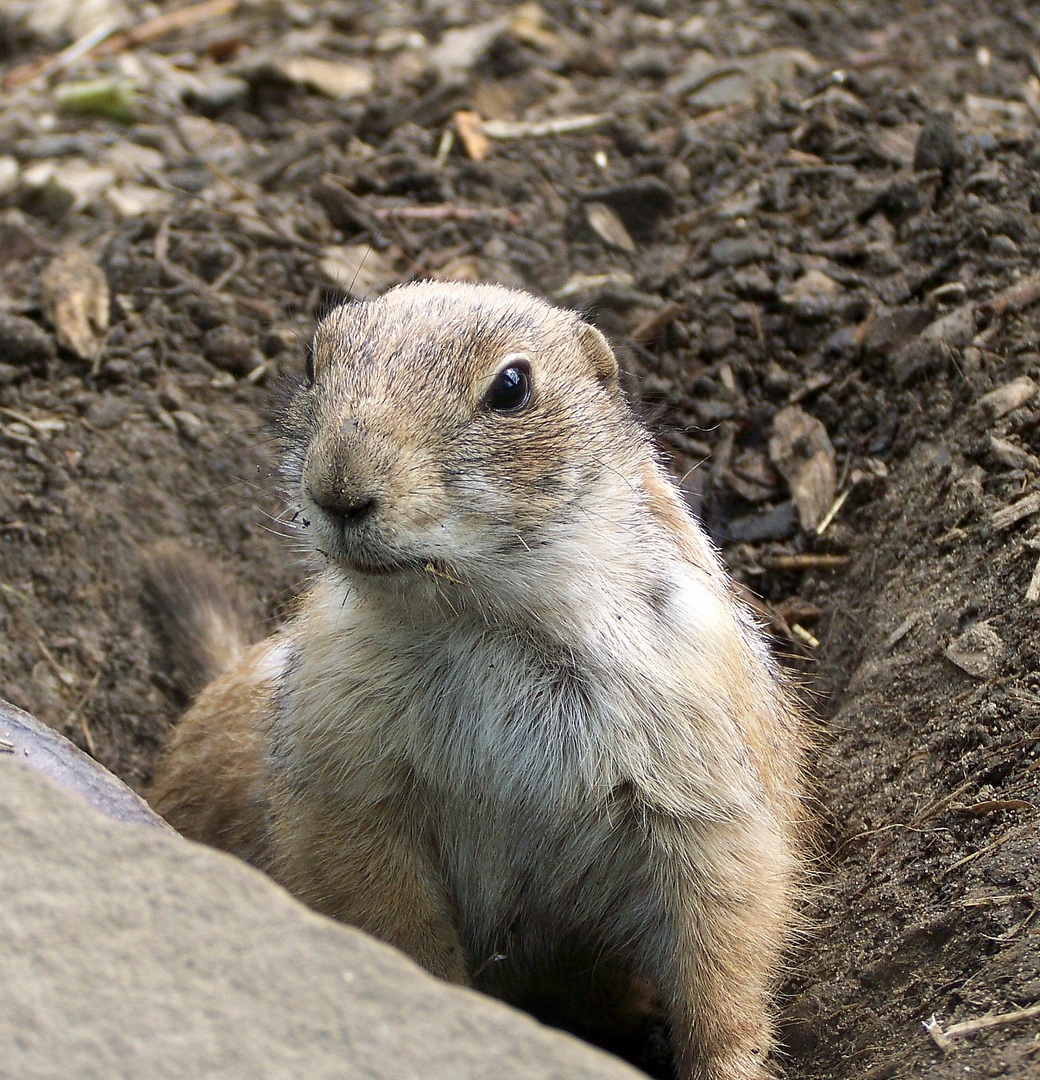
[(519, 727)]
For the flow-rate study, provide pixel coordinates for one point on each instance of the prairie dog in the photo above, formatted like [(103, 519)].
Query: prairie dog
[(519, 727)]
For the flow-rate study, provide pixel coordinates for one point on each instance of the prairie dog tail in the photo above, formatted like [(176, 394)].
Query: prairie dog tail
[(201, 612)]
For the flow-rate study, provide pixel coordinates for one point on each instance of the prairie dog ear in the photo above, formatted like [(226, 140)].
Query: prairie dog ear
[(599, 353)]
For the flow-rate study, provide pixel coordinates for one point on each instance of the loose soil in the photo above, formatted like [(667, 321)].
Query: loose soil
[(789, 235)]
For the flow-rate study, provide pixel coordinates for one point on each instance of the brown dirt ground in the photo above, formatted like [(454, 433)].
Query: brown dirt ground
[(927, 775)]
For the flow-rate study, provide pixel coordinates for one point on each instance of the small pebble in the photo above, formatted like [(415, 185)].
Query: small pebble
[(24, 342), (108, 411), (979, 651), (189, 425), (229, 348), (937, 145), (739, 251), (1007, 398), (779, 523)]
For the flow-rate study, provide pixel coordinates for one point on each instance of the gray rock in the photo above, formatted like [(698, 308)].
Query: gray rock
[(711, 82), (33, 743), (937, 145), (933, 347), (1007, 398), (754, 283), (779, 523), (738, 251), (133, 954), (979, 651), (229, 348), (1007, 453), (24, 342)]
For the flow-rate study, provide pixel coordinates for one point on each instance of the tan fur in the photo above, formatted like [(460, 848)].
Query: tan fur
[(519, 727), (203, 620), (211, 785)]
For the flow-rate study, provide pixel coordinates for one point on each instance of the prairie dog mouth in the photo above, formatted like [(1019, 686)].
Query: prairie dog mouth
[(400, 567)]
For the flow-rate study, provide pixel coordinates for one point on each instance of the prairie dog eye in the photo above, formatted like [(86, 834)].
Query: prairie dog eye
[(510, 390)]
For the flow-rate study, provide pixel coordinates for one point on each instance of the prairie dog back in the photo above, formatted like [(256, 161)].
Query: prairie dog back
[(519, 727)]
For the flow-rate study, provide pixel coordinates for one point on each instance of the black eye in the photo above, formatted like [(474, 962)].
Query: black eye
[(511, 390), (308, 363)]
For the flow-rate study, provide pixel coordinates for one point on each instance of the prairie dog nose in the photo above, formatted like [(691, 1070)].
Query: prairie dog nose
[(343, 477), (347, 508)]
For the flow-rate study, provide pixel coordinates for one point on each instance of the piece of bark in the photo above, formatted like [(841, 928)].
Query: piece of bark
[(802, 452), (75, 298)]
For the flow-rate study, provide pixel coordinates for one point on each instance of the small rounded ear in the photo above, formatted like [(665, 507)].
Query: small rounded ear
[(598, 353)]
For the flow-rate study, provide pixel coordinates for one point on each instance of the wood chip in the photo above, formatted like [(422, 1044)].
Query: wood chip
[(886, 332), (579, 283), (1019, 296), (1016, 512), (536, 129), (346, 210), (938, 342), (1007, 398), (990, 900), (937, 1035), (449, 212), (967, 859), (75, 298), (166, 23), (989, 806), (802, 452), (984, 1023), (470, 127), (335, 79), (832, 513), (804, 636), (809, 387), (358, 270), (651, 324), (901, 631), (796, 609), (605, 223), (44, 426), (1033, 592), (804, 561), (812, 283), (1014, 457)]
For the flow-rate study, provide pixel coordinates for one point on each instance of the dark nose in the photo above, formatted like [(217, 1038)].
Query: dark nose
[(348, 509), (345, 476)]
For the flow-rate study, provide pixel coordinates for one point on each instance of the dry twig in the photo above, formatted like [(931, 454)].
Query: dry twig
[(76, 713), (107, 43), (166, 23), (447, 212), (804, 561), (535, 129), (1016, 512), (1033, 592), (945, 1039), (832, 513), (1018, 296), (999, 842), (650, 325)]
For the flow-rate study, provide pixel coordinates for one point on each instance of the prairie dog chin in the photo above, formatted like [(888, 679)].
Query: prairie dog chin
[(519, 727)]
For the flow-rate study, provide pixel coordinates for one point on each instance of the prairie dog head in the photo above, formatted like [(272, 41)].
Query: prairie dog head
[(447, 426)]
